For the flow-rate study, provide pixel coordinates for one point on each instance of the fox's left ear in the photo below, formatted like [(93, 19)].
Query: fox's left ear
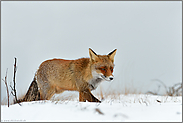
[(93, 55), (112, 54)]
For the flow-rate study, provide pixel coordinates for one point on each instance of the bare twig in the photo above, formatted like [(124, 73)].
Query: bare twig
[(5, 81), (15, 69), (11, 87), (170, 91), (178, 91), (161, 83), (13, 92)]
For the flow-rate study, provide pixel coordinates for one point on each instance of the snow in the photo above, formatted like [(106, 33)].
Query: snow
[(127, 108)]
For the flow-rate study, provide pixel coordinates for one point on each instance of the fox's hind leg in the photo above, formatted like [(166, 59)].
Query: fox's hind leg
[(46, 93)]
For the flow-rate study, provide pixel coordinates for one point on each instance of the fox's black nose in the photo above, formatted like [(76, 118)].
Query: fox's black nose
[(111, 78)]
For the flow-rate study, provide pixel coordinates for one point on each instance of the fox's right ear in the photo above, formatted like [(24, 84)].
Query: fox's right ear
[(112, 54), (93, 55)]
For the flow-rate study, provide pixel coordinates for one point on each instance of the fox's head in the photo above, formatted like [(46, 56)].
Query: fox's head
[(102, 65)]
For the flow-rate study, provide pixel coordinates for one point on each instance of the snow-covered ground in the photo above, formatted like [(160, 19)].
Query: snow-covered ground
[(139, 107)]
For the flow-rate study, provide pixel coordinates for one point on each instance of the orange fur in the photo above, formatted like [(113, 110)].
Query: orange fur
[(83, 75)]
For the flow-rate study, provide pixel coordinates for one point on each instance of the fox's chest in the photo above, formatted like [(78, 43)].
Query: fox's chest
[(94, 82)]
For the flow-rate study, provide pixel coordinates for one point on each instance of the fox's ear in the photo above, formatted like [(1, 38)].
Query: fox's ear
[(93, 55), (112, 54)]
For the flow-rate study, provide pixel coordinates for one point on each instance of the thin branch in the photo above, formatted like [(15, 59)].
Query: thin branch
[(170, 91), (5, 81), (11, 87), (161, 83), (13, 92), (15, 69)]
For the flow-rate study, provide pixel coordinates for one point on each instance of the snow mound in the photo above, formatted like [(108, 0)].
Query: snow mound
[(113, 108)]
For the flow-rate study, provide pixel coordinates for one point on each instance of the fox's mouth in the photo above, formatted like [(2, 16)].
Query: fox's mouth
[(103, 77)]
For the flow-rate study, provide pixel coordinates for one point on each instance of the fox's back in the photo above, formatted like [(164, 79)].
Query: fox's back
[(53, 68), (61, 73)]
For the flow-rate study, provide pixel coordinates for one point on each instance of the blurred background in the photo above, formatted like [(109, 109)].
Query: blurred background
[(147, 35)]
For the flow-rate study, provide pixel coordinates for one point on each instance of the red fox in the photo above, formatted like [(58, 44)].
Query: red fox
[(82, 75)]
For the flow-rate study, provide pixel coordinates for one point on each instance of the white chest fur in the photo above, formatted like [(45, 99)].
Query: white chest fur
[(95, 82)]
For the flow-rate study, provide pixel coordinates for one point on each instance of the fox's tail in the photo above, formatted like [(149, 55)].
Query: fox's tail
[(32, 93)]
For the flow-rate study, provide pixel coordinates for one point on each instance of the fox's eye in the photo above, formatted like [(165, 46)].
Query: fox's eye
[(111, 69), (103, 69)]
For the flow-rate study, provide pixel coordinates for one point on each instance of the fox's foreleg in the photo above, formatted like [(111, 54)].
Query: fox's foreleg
[(87, 95)]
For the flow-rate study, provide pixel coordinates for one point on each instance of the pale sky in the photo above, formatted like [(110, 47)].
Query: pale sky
[(147, 35)]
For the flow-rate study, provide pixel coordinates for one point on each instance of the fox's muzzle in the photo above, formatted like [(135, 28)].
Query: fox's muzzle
[(110, 78)]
